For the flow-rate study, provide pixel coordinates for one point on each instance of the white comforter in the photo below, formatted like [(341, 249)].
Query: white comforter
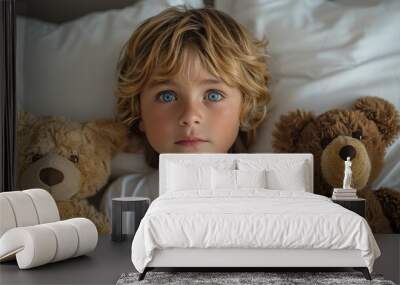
[(252, 218)]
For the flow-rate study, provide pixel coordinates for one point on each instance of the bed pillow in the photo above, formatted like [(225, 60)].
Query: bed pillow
[(293, 179), (223, 179), (281, 174), (70, 69), (231, 180), (251, 178), (181, 178), (324, 55)]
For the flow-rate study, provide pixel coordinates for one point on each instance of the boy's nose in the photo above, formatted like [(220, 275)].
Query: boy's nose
[(190, 115)]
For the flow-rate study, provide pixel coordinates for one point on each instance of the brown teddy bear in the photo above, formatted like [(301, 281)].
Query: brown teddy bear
[(362, 133), (69, 159)]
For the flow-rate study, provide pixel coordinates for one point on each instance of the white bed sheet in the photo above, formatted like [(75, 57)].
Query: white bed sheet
[(325, 55), (252, 218)]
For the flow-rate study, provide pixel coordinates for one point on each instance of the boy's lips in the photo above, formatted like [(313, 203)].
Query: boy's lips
[(190, 141)]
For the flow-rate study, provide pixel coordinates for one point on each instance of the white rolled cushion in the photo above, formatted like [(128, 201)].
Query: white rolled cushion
[(67, 240), (23, 208), (33, 245), (7, 218), (26, 208), (40, 244), (46, 207), (251, 178), (223, 179), (87, 235), (183, 178)]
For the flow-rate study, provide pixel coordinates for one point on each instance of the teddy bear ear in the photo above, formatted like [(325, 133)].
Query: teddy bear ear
[(288, 130), (383, 113), (113, 132), (25, 127), (25, 120)]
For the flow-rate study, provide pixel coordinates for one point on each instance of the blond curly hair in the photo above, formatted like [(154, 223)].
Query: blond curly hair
[(225, 49)]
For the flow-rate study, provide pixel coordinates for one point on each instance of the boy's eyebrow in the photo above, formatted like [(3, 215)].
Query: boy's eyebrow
[(155, 83), (211, 80)]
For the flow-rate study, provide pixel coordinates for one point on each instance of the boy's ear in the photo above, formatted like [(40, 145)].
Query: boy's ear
[(383, 113), (111, 133), (288, 130)]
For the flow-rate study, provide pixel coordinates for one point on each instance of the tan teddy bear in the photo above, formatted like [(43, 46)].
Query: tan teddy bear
[(362, 133), (71, 160)]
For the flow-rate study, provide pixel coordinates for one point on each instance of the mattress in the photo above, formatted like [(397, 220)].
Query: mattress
[(250, 219)]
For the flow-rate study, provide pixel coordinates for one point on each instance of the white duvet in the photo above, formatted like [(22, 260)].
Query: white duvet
[(252, 218)]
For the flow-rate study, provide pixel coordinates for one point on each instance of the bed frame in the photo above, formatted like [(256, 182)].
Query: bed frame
[(236, 259), (256, 259)]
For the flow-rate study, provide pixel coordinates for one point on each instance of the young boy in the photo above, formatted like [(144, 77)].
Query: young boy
[(190, 81)]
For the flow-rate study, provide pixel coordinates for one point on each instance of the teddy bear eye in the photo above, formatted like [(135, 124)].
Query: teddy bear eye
[(36, 157), (74, 158), (357, 135)]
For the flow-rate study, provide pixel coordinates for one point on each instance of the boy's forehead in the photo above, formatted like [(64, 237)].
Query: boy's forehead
[(191, 69)]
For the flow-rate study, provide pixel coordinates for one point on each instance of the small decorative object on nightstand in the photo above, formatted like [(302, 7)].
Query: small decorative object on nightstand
[(347, 192), (357, 205), (138, 205)]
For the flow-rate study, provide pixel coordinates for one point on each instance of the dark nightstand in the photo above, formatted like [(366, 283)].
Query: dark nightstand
[(138, 205), (358, 205)]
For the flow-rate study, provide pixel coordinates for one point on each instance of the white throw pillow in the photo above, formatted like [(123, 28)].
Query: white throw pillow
[(324, 55), (70, 69), (251, 178), (181, 178)]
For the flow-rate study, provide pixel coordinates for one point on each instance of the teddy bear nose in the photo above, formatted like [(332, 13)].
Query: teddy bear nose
[(347, 151), (51, 176)]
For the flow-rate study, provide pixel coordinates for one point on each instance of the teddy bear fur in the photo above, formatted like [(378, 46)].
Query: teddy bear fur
[(69, 159), (364, 131)]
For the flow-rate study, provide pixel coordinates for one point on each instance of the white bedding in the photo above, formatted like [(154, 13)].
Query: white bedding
[(325, 55), (252, 218)]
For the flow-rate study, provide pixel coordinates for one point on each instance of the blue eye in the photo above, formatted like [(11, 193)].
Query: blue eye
[(214, 96), (167, 96)]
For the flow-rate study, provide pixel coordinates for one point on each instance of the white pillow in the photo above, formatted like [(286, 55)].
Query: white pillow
[(224, 179), (228, 179), (324, 55), (181, 178), (293, 179), (70, 69), (124, 163), (26, 27), (251, 178), (281, 174)]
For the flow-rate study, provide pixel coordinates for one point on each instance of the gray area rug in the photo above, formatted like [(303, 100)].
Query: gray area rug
[(230, 278)]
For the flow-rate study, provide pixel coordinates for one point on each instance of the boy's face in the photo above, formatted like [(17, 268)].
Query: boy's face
[(191, 112)]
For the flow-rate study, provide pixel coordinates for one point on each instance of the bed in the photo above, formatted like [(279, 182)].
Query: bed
[(247, 211)]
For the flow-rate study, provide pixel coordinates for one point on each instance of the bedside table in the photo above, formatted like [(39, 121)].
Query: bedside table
[(138, 205), (358, 205)]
